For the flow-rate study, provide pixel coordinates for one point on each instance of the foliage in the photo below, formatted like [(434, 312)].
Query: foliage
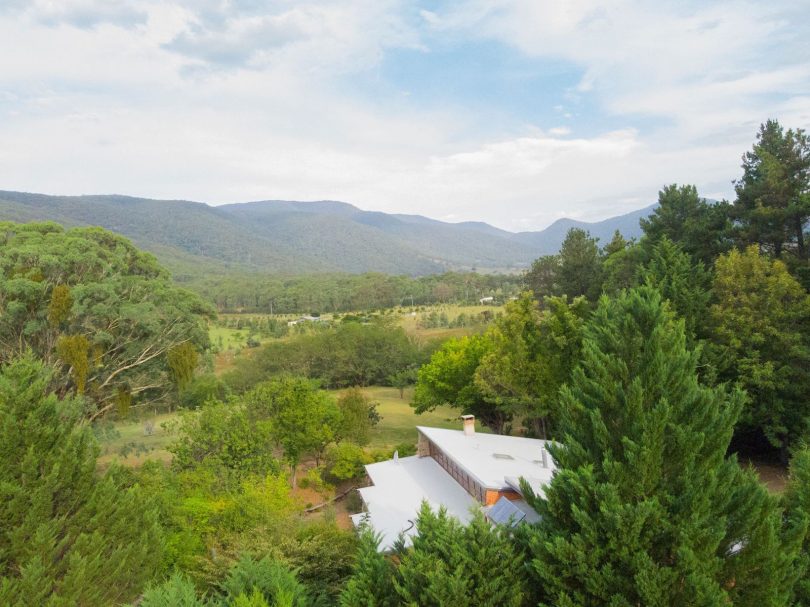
[(340, 292), (681, 281), (345, 461), (580, 271), (645, 508), (760, 321), (225, 438), (402, 379), (542, 278), (796, 499), (301, 419), (177, 591), (272, 579), (449, 564), (622, 264), (772, 208), (182, 360), (87, 301), (202, 389), (701, 228), (531, 355), (449, 379), (358, 415), (349, 354), (372, 581), (68, 536)]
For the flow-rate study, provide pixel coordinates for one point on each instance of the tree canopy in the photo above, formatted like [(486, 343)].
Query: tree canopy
[(103, 312)]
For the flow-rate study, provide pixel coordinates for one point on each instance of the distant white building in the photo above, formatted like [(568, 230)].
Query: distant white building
[(460, 470), (300, 319), (486, 300)]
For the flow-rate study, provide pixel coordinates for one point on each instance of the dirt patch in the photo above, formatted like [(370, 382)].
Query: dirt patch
[(773, 475)]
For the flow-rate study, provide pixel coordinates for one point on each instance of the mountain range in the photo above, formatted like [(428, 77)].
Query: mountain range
[(288, 237)]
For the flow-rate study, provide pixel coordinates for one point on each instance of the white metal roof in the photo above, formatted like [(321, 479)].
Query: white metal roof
[(398, 491), (491, 458)]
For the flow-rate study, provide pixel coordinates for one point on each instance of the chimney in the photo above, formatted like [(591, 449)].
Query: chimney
[(469, 425)]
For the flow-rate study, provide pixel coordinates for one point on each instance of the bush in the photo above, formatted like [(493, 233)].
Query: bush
[(345, 461)]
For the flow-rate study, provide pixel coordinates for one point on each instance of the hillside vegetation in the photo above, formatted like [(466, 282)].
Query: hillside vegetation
[(194, 239)]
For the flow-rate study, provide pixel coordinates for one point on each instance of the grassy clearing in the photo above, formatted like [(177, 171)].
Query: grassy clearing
[(398, 424), (225, 339), (126, 442)]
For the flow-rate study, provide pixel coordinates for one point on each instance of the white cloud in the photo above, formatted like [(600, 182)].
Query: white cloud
[(223, 101)]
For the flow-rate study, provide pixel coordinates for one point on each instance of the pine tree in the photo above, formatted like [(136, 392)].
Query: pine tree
[(67, 536), (797, 504), (645, 508), (372, 580), (684, 283), (453, 565)]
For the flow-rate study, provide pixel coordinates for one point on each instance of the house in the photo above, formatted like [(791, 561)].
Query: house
[(486, 300), (300, 319), (460, 470)]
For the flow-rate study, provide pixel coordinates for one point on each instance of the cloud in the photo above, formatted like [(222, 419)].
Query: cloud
[(81, 13), (309, 34), (224, 101)]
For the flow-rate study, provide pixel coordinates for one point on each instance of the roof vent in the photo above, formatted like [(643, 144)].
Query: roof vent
[(502, 456)]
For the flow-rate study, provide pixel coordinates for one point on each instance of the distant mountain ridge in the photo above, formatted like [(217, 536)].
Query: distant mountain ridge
[(290, 237)]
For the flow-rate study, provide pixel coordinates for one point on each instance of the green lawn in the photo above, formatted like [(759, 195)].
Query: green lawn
[(224, 338), (398, 424)]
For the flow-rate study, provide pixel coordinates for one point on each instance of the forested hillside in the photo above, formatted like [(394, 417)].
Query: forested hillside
[(280, 237)]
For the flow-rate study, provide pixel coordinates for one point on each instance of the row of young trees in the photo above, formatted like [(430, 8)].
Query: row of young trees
[(331, 293)]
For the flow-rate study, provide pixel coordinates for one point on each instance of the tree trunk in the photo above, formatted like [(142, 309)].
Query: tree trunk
[(800, 237)]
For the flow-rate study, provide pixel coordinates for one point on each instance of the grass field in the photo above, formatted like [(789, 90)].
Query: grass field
[(225, 339), (398, 424), (128, 444)]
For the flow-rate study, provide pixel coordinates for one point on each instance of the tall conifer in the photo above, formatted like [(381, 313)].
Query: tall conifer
[(645, 508), (67, 536)]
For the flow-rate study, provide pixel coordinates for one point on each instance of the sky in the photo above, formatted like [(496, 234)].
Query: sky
[(513, 112)]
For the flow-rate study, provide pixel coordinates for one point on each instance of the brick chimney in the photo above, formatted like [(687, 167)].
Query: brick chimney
[(469, 424)]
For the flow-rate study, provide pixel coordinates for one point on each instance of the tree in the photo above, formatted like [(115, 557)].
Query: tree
[(302, 419), (372, 580), (68, 536), (580, 266), (453, 564), (532, 354), (682, 281), (796, 499), (621, 264), (103, 313), (402, 379), (358, 415), (543, 276), (182, 359), (645, 508), (701, 228), (449, 379), (773, 195), (224, 438), (760, 322)]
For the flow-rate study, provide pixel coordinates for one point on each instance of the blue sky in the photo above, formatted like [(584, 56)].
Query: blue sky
[(515, 112)]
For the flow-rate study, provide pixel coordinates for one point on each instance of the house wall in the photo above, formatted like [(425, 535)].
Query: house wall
[(478, 491)]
